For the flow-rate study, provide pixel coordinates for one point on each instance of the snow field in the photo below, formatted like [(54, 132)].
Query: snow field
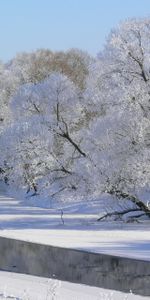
[(25, 287)]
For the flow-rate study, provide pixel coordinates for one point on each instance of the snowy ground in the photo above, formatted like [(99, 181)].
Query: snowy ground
[(80, 231), (25, 287)]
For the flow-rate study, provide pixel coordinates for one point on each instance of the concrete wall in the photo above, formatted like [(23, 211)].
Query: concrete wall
[(75, 266)]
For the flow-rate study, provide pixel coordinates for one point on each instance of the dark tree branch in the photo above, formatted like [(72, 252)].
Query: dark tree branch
[(62, 169), (118, 213), (57, 113), (65, 134), (140, 65), (135, 200), (57, 192), (137, 60), (36, 108), (69, 139)]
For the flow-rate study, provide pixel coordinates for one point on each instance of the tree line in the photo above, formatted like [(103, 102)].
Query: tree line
[(73, 125)]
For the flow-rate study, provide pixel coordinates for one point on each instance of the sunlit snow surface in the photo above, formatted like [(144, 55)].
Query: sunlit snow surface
[(80, 231), (25, 287)]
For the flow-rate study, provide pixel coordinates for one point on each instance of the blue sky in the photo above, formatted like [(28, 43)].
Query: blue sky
[(26, 25)]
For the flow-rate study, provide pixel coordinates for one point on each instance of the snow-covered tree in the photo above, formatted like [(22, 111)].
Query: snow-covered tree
[(43, 142), (78, 124), (126, 78)]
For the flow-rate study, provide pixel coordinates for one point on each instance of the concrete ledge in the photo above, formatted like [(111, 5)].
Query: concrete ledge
[(76, 266)]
